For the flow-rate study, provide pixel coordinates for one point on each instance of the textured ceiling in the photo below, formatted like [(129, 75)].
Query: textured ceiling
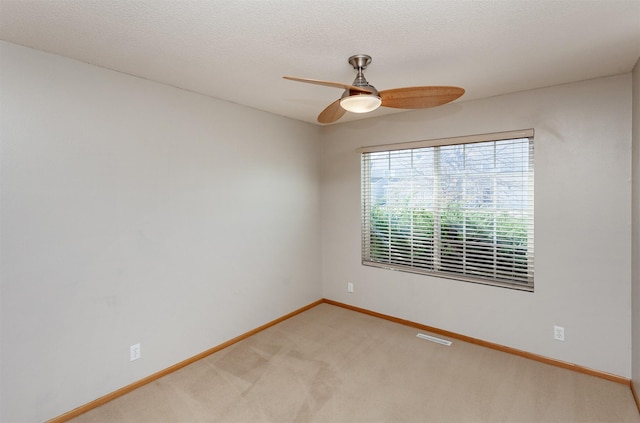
[(239, 50)]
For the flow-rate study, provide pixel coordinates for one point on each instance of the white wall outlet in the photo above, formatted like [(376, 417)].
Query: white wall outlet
[(134, 352), (349, 287), (558, 333)]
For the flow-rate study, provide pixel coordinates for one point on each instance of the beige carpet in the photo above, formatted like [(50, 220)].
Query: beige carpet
[(330, 364)]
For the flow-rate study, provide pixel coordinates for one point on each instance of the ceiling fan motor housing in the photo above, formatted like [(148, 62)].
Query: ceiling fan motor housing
[(357, 101), (360, 63)]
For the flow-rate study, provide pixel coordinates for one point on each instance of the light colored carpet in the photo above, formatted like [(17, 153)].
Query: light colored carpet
[(330, 364)]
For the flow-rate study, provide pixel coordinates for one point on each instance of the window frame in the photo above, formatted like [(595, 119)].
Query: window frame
[(436, 271)]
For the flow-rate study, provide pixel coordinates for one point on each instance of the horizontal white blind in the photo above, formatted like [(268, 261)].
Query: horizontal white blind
[(462, 211)]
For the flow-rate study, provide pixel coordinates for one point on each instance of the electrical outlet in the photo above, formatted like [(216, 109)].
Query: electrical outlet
[(134, 352), (558, 333), (349, 287)]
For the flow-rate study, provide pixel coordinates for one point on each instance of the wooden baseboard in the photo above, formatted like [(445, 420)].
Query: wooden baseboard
[(635, 395), (525, 354), (126, 389)]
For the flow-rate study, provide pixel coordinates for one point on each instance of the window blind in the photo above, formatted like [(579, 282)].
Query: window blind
[(461, 210)]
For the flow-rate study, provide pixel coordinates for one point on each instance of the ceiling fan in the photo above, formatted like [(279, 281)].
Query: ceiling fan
[(362, 97)]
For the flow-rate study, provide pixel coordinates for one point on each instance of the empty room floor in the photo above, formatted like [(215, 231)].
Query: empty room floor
[(330, 364)]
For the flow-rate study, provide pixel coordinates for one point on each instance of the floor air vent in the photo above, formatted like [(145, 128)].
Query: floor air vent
[(434, 339)]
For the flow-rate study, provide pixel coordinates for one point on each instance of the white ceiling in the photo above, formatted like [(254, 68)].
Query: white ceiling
[(238, 50)]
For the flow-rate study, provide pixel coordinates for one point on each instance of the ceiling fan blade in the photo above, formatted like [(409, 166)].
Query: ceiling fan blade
[(419, 97), (332, 113), (328, 84)]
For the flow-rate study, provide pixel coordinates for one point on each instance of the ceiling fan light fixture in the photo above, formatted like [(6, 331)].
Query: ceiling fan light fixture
[(360, 103)]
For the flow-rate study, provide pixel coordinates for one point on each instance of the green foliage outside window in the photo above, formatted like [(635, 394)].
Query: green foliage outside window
[(454, 240)]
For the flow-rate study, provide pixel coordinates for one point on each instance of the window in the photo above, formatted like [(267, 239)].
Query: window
[(459, 208)]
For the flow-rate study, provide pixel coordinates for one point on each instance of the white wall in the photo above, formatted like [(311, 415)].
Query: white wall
[(582, 225), (136, 212), (635, 251)]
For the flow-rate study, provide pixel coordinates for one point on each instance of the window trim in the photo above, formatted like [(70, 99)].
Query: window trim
[(488, 137), (468, 139)]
